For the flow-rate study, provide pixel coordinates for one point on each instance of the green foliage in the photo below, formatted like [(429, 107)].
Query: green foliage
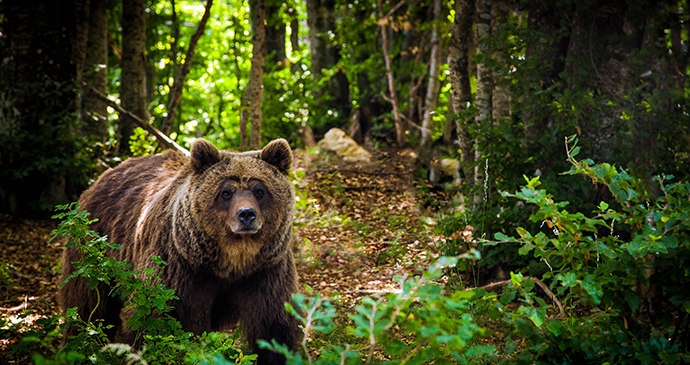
[(420, 324), (5, 280), (161, 337), (621, 271), (140, 145)]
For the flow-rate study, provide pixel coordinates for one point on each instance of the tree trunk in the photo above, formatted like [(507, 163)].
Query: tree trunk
[(94, 113), (340, 86), (275, 34), (43, 51), (318, 12), (461, 90), (500, 11), (255, 89), (174, 68), (367, 114), (294, 38), (244, 119), (545, 18), (133, 65), (433, 85), (484, 86)]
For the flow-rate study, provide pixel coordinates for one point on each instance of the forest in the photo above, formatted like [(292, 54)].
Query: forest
[(525, 196)]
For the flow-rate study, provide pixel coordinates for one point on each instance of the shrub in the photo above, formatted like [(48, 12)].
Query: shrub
[(622, 272), (162, 338), (420, 324)]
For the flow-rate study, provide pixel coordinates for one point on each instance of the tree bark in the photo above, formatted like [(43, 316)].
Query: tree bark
[(133, 65), (176, 91), (275, 34), (366, 105), (174, 67), (318, 12), (433, 85), (461, 91), (484, 86), (255, 89), (94, 113), (500, 12)]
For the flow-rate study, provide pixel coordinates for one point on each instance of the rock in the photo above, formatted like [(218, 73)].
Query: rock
[(445, 167), (337, 141)]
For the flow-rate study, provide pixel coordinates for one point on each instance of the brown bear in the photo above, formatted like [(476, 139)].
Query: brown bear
[(221, 220)]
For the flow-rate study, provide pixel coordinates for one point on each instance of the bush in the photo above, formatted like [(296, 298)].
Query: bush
[(419, 325), (162, 339), (622, 273)]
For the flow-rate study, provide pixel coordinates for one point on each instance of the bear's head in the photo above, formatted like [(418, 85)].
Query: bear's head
[(243, 203)]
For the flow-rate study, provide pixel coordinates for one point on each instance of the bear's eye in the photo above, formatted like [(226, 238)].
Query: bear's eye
[(226, 195), (259, 193)]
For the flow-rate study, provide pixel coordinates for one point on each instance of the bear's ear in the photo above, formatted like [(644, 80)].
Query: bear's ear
[(278, 154), (204, 155)]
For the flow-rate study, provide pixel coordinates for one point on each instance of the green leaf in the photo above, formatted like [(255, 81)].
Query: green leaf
[(511, 346), (508, 296), (516, 279), (502, 237)]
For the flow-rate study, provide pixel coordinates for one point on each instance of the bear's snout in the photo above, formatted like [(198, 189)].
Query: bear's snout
[(245, 216)]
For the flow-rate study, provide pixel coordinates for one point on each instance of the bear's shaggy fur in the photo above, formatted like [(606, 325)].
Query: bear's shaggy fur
[(221, 220)]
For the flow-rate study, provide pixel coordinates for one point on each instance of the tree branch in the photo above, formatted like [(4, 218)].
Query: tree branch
[(400, 134), (160, 136), (176, 91), (536, 281)]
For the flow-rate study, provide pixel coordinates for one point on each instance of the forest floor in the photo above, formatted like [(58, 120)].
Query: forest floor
[(358, 227)]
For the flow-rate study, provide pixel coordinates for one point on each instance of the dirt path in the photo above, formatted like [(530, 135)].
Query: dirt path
[(357, 228)]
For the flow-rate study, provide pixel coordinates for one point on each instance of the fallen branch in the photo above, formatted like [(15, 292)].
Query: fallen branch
[(536, 281), (14, 309), (160, 136), (22, 276)]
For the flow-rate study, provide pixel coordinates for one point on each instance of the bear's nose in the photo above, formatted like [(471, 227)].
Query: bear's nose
[(246, 215)]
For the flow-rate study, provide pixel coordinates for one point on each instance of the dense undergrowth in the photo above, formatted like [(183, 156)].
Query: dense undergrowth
[(610, 287)]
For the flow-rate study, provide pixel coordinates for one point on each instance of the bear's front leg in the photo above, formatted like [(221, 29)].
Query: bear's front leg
[(264, 316)]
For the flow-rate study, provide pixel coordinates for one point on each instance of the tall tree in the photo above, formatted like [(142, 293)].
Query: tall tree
[(275, 32), (94, 113), (133, 66), (325, 55), (43, 46), (368, 108), (320, 22), (255, 89), (484, 83), (433, 85), (550, 52), (175, 69), (500, 98), (461, 89)]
